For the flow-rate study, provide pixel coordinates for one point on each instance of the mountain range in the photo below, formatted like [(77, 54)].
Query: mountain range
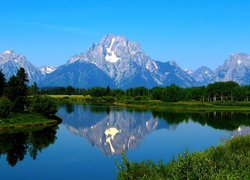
[(119, 63)]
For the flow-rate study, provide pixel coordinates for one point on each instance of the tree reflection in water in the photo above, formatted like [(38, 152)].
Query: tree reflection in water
[(224, 120), (218, 120), (16, 145)]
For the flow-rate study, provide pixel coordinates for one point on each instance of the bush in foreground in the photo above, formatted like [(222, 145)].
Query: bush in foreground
[(228, 161)]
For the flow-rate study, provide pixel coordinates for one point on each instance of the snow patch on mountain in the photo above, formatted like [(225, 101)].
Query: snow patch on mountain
[(47, 69), (110, 56), (188, 71)]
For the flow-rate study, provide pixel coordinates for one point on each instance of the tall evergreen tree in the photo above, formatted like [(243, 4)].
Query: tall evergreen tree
[(17, 90), (11, 88), (22, 79), (2, 83)]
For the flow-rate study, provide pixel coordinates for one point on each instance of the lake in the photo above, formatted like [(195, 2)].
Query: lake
[(90, 140)]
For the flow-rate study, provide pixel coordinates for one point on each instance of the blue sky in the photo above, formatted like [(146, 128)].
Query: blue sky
[(191, 32)]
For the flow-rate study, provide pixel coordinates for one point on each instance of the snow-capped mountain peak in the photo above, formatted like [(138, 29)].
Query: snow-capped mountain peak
[(10, 62), (238, 59), (110, 49), (47, 69), (10, 55), (119, 47), (127, 65), (8, 52), (235, 68)]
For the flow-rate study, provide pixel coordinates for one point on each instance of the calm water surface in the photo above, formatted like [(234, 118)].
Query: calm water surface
[(90, 141)]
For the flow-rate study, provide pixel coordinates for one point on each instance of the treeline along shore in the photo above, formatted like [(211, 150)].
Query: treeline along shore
[(215, 96)]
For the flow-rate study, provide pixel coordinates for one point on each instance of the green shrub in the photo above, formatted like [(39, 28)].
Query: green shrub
[(5, 107), (228, 161), (44, 105), (139, 98), (232, 103), (108, 99)]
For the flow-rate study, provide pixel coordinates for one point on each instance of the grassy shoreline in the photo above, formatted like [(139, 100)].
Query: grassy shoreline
[(155, 104), (227, 161), (26, 121), (183, 107)]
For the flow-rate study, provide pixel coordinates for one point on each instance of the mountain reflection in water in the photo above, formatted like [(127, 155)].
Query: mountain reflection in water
[(115, 130)]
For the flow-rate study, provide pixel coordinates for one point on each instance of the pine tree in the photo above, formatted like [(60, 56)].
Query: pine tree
[(2, 83), (11, 88), (17, 91), (22, 79)]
